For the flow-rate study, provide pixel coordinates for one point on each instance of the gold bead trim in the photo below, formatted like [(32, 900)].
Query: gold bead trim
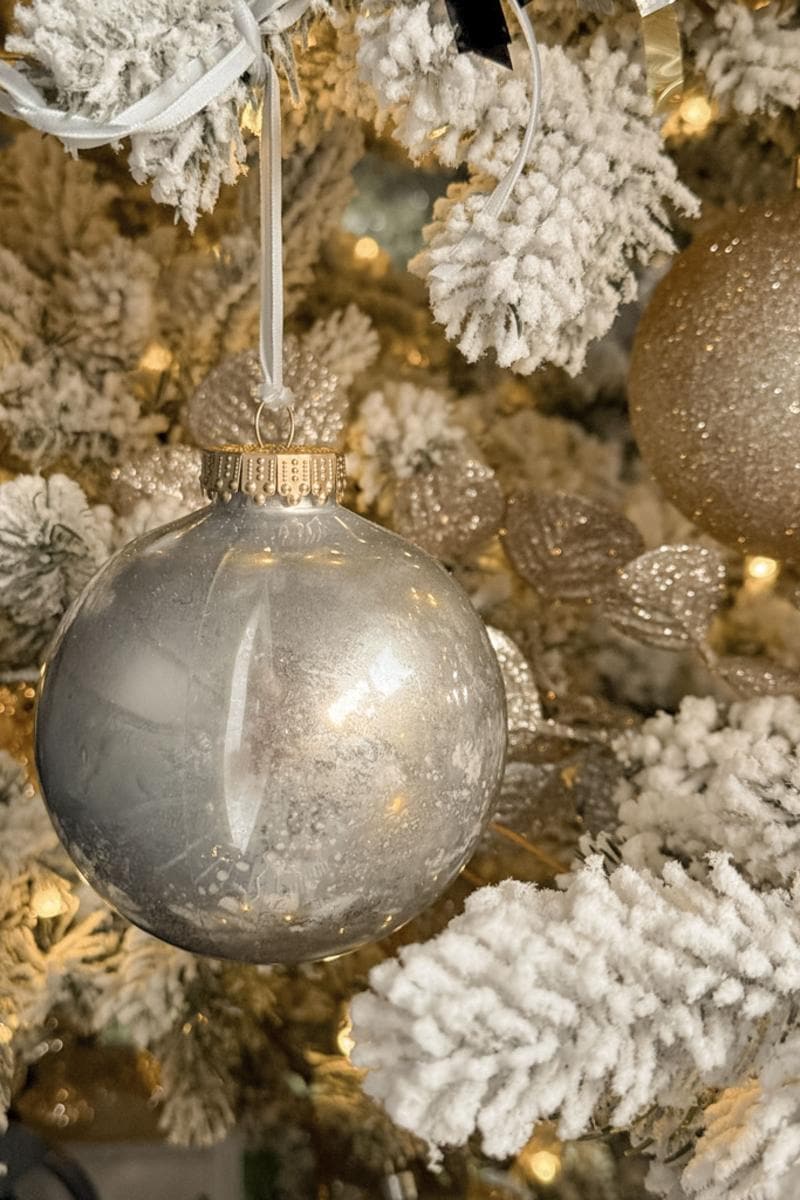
[(293, 473)]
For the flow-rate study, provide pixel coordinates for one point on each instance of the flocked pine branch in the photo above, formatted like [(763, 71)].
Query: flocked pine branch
[(515, 283), (144, 989), (97, 61), (619, 992), (51, 944), (399, 430), (705, 780), (51, 543), (748, 57), (51, 205), (750, 1146)]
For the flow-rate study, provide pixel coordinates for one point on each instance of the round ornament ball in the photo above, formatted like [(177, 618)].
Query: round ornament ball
[(271, 730), (715, 381)]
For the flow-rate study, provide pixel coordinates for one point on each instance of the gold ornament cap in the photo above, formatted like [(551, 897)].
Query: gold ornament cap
[(292, 473)]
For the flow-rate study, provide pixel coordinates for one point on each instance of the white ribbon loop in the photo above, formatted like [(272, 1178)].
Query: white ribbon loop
[(499, 197)]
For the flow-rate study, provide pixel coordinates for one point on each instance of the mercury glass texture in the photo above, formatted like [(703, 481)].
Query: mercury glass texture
[(271, 733)]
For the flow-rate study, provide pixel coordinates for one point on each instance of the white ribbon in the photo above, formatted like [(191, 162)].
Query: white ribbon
[(195, 86), (499, 197), (648, 7)]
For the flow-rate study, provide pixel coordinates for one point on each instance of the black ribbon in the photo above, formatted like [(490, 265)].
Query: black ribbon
[(480, 26)]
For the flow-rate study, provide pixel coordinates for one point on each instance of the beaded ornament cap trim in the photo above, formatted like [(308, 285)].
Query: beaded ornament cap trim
[(293, 473)]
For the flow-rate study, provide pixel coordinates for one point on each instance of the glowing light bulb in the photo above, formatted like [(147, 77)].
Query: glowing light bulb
[(692, 116), (759, 567), (47, 902), (344, 1040), (760, 573), (543, 1166), (155, 358), (367, 249), (251, 119)]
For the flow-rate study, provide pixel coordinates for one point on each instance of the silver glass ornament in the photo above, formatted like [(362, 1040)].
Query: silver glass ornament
[(271, 730)]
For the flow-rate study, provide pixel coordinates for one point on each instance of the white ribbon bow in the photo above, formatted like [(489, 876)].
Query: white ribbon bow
[(189, 91)]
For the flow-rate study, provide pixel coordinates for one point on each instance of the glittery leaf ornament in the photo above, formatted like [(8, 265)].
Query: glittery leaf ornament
[(222, 410), (524, 708), (165, 471), (756, 676), (533, 832), (580, 785), (566, 547), (591, 779), (450, 509), (668, 596)]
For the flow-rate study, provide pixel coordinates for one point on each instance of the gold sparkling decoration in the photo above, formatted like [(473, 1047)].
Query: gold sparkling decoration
[(749, 676), (715, 381), (292, 472), (667, 597), (222, 410), (567, 547), (451, 509), (165, 471)]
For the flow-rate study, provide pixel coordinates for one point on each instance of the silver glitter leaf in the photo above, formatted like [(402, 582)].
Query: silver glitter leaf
[(524, 708), (668, 596), (756, 676), (451, 509), (165, 471), (592, 779), (518, 804), (222, 410), (567, 547)]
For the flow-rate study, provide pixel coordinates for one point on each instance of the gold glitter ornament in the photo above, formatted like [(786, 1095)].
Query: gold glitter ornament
[(715, 381), (222, 410), (451, 509)]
